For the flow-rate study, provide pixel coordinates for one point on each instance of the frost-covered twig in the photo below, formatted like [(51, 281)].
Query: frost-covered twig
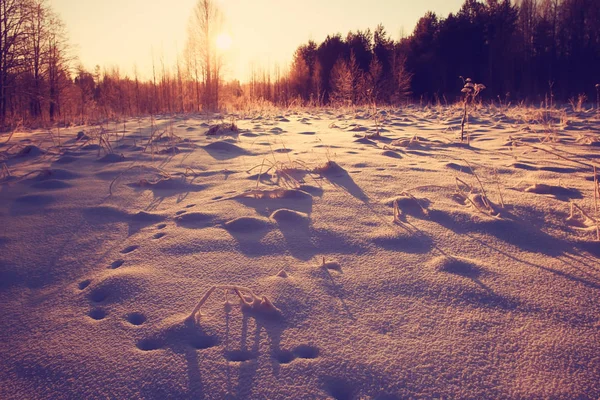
[(248, 300)]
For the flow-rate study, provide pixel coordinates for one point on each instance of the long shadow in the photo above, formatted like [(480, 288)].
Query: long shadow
[(31, 204), (297, 235), (249, 242), (590, 247), (479, 296), (223, 150), (340, 177), (135, 222), (563, 274), (523, 236), (266, 206), (187, 339), (417, 244), (304, 242), (488, 298), (247, 369), (46, 274), (338, 293), (168, 187), (248, 357)]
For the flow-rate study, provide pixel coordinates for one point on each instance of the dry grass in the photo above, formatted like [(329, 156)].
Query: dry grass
[(290, 173), (4, 172), (166, 136), (162, 175), (577, 104), (223, 128), (413, 142)]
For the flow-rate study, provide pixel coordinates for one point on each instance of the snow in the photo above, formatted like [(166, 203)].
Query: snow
[(402, 263)]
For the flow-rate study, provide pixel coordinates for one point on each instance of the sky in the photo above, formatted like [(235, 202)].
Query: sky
[(128, 33)]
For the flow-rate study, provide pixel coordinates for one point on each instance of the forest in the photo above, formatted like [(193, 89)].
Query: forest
[(533, 51)]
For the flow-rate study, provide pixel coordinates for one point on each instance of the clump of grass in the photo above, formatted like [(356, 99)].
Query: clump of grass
[(290, 173), (413, 142), (577, 104), (377, 119), (97, 134), (248, 301), (329, 166), (480, 200), (223, 128), (279, 193), (162, 175), (166, 135), (283, 173), (471, 91)]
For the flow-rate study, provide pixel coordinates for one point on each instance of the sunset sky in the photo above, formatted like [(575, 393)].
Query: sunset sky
[(125, 33)]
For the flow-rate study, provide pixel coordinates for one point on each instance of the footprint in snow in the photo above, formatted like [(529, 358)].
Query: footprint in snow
[(129, 249), (116, 264)]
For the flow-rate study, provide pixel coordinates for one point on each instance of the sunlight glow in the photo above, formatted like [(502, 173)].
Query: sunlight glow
[(224, 41), (130, 37)]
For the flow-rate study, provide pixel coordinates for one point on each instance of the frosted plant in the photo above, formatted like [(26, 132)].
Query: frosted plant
[(248, 301), (471, 90)]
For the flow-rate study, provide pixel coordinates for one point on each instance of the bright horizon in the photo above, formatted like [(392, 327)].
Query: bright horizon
[(264, 33)]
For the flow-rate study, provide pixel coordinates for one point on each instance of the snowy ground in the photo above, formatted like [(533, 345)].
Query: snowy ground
[(483, 286)]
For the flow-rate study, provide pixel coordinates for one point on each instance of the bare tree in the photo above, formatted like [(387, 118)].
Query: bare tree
[(37, 36), (84, 81), (204, 26), (57, 62), (13, 23)]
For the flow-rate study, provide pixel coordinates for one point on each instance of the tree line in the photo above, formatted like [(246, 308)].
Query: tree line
[(34, 64), (40, 80), (524, 50), (531, 50)]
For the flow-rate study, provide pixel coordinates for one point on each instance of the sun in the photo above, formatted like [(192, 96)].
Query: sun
[(224, 41)]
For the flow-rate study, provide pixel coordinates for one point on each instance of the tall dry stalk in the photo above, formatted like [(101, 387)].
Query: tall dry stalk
[(471, 90), (597, 98), (596, 192)]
